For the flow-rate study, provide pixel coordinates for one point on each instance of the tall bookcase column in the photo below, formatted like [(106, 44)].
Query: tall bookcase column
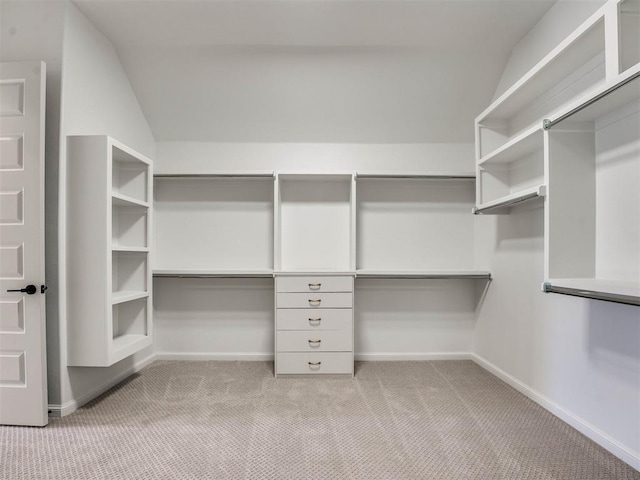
[(109, 270)]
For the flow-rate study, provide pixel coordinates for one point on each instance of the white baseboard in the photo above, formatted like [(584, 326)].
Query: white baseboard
[(593, 433), (405, 357), (261, 357), (203, 356), (71, 406)]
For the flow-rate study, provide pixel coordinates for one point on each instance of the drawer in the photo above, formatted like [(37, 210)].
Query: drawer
[(314, 300), (319, 319), (320, 341), (314, 284), (314, 363)]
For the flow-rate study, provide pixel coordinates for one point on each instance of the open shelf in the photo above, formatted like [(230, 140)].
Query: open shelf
[(573, 68), (315, 222), (213, 223), (120, 200), (528, 143), (197, 273), (124, 296), (425, 274), (507, 201)]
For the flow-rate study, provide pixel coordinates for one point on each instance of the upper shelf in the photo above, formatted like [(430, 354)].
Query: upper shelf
[(585, 43)]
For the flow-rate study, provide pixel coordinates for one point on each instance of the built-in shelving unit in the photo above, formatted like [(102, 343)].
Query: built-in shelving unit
[(593, 211), (109, 272)]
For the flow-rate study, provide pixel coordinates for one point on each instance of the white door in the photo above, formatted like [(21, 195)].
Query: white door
[(23, 372)]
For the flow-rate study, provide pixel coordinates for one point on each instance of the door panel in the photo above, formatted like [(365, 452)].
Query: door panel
[(23, 385)]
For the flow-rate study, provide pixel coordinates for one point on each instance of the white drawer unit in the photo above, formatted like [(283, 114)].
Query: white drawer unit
[(315, 284), (318, 319), (320, 341), (314, 325), (314, 363), (314, 300)]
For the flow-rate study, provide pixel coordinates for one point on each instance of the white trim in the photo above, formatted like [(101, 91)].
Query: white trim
[(72, 405), (404, 357), (584, 427), (225, 357)]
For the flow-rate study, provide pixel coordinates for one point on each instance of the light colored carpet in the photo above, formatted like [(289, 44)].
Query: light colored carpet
[(233, 420)]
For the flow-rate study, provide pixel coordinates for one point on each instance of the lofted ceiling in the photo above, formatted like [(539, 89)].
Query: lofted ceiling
[(357, 71)]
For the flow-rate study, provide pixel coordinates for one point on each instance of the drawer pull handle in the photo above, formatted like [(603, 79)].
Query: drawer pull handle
[(314, 302), (315, 321), (315, 286), (315, 364), (314, 342)]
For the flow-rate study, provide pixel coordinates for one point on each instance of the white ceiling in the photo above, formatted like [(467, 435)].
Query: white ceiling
[(314, 71)]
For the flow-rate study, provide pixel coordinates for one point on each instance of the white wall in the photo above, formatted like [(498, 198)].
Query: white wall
[(581, 358), (34, 31), (96, 99)]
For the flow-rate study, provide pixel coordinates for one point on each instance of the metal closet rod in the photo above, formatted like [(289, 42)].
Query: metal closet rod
[(547, 124), (579, 292)]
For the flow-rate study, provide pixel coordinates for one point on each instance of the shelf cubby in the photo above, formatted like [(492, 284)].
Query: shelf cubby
[(129, 272), (130, 327), (213, 222), (130, 176), (315, 222), (130, 226), (593, 214), (629, 34), (414, 224)]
